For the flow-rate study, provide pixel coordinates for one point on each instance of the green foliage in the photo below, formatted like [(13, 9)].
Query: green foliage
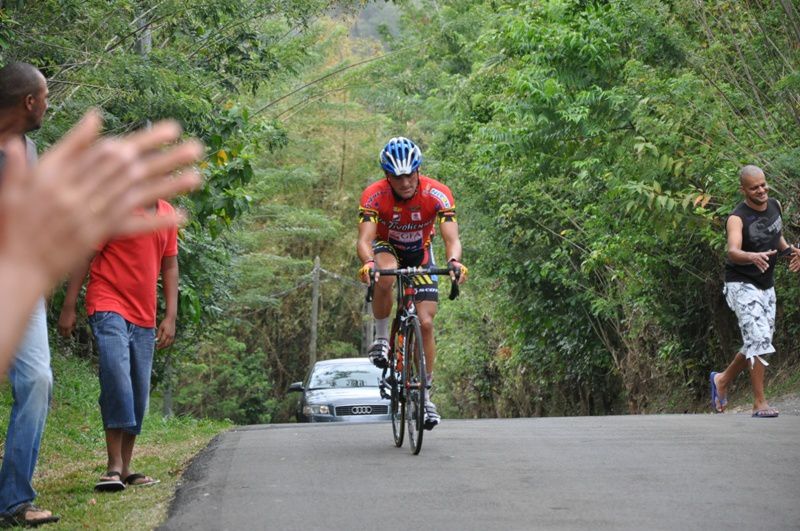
[(209, 65), (202, 59), (593, 148), (302, 204), (225, 380)]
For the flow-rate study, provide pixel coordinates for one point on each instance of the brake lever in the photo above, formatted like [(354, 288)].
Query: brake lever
[(371, 286), (454, 288)]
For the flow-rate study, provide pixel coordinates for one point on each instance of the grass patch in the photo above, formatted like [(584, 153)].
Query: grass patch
[(73, 455), (785, 382)]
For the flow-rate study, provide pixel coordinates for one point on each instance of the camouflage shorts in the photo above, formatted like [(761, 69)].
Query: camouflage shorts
[(755, 310)]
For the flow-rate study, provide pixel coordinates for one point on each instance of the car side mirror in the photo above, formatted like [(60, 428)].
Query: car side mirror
[(296, 387)]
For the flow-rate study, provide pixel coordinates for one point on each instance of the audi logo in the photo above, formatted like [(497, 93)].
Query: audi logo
[(361, 410)]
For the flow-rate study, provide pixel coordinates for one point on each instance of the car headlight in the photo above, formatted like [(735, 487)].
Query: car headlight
[(316, 410)]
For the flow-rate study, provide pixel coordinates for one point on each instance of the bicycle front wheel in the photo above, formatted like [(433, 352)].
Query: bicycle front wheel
[(397, 406), (415, 385)]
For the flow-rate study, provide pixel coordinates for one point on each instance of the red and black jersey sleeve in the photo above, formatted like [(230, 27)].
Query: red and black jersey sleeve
[(447, 215), (367, 215), (370, 204)]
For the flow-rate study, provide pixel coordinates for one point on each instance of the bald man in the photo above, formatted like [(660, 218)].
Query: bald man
[(23, 102), (755, 240)]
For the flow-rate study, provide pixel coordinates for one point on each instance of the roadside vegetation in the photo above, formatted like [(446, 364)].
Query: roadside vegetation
[(594, 148)]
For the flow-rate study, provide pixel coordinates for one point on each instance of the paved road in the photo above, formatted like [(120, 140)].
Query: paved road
[(670, 472)]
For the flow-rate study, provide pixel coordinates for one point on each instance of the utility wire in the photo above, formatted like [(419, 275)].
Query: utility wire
[(335, 72), (341, 278)]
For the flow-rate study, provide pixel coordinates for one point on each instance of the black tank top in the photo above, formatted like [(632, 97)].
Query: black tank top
[(761, 231)]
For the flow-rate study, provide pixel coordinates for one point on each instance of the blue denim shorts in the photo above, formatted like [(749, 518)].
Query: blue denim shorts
[(126, 361)]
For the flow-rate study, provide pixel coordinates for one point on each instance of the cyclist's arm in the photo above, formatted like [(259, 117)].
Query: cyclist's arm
[(452, 246), (452, 243), (367, 230)]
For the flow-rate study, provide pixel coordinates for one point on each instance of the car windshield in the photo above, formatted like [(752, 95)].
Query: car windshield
[(344, 376)]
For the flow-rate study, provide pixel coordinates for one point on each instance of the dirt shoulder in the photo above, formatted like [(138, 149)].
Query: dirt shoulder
[(787, 404)]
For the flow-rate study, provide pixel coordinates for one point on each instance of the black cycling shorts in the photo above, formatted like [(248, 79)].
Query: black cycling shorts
[(426, 287)]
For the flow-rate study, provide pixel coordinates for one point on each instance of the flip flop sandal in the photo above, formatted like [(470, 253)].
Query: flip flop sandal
[(132, 480), (105, 484), (769, 413), (18, 519), (717, 402)]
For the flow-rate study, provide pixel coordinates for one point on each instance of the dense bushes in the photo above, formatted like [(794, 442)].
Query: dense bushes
[(594, 150), (592, 146)]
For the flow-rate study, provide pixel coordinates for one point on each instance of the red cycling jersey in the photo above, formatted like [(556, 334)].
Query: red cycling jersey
[(407, 224)]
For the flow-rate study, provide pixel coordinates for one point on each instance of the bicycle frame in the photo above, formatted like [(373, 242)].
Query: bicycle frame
[(407, 373), (406, 274), (406, 309)]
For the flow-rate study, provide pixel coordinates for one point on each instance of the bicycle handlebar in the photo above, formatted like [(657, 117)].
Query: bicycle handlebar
[(414, 272)]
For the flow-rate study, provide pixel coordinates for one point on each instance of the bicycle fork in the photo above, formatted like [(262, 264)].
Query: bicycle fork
[(395, 367)]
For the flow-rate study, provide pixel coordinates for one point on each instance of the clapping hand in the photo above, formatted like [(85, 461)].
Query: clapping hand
[(85, 190)]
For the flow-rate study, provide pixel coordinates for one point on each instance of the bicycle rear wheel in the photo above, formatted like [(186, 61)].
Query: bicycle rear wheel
[(415, 384), (397, 406)]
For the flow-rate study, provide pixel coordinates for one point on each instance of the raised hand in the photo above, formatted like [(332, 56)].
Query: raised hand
[(84, 191)]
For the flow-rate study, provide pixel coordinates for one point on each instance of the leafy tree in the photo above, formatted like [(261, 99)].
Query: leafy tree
[(201, 63), (594, 147), (303, 205)]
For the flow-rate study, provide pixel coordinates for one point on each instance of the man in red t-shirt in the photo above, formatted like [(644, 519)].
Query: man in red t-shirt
[(121, 305), (397, 217)]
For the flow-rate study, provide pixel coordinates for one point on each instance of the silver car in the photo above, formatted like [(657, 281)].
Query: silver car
[(342, 390)]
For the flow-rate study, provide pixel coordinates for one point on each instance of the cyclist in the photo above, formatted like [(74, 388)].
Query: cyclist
[(397, 216)]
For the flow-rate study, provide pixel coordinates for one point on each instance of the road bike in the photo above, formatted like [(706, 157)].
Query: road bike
[(404, 380)]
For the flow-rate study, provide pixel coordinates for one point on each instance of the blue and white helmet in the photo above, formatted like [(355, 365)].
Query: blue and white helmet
[(400, 156)]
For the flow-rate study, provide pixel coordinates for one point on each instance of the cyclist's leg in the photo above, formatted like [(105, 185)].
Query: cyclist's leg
[(385, 258), (426, 298), (426, 310)]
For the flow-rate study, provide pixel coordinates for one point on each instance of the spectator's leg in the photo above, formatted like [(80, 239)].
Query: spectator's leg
[(31, 384), (757, 381), (724, 379), (116, 392), (114, 449), (142, 346)]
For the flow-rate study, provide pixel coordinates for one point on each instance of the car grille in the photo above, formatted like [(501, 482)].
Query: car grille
[(343, 411)]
